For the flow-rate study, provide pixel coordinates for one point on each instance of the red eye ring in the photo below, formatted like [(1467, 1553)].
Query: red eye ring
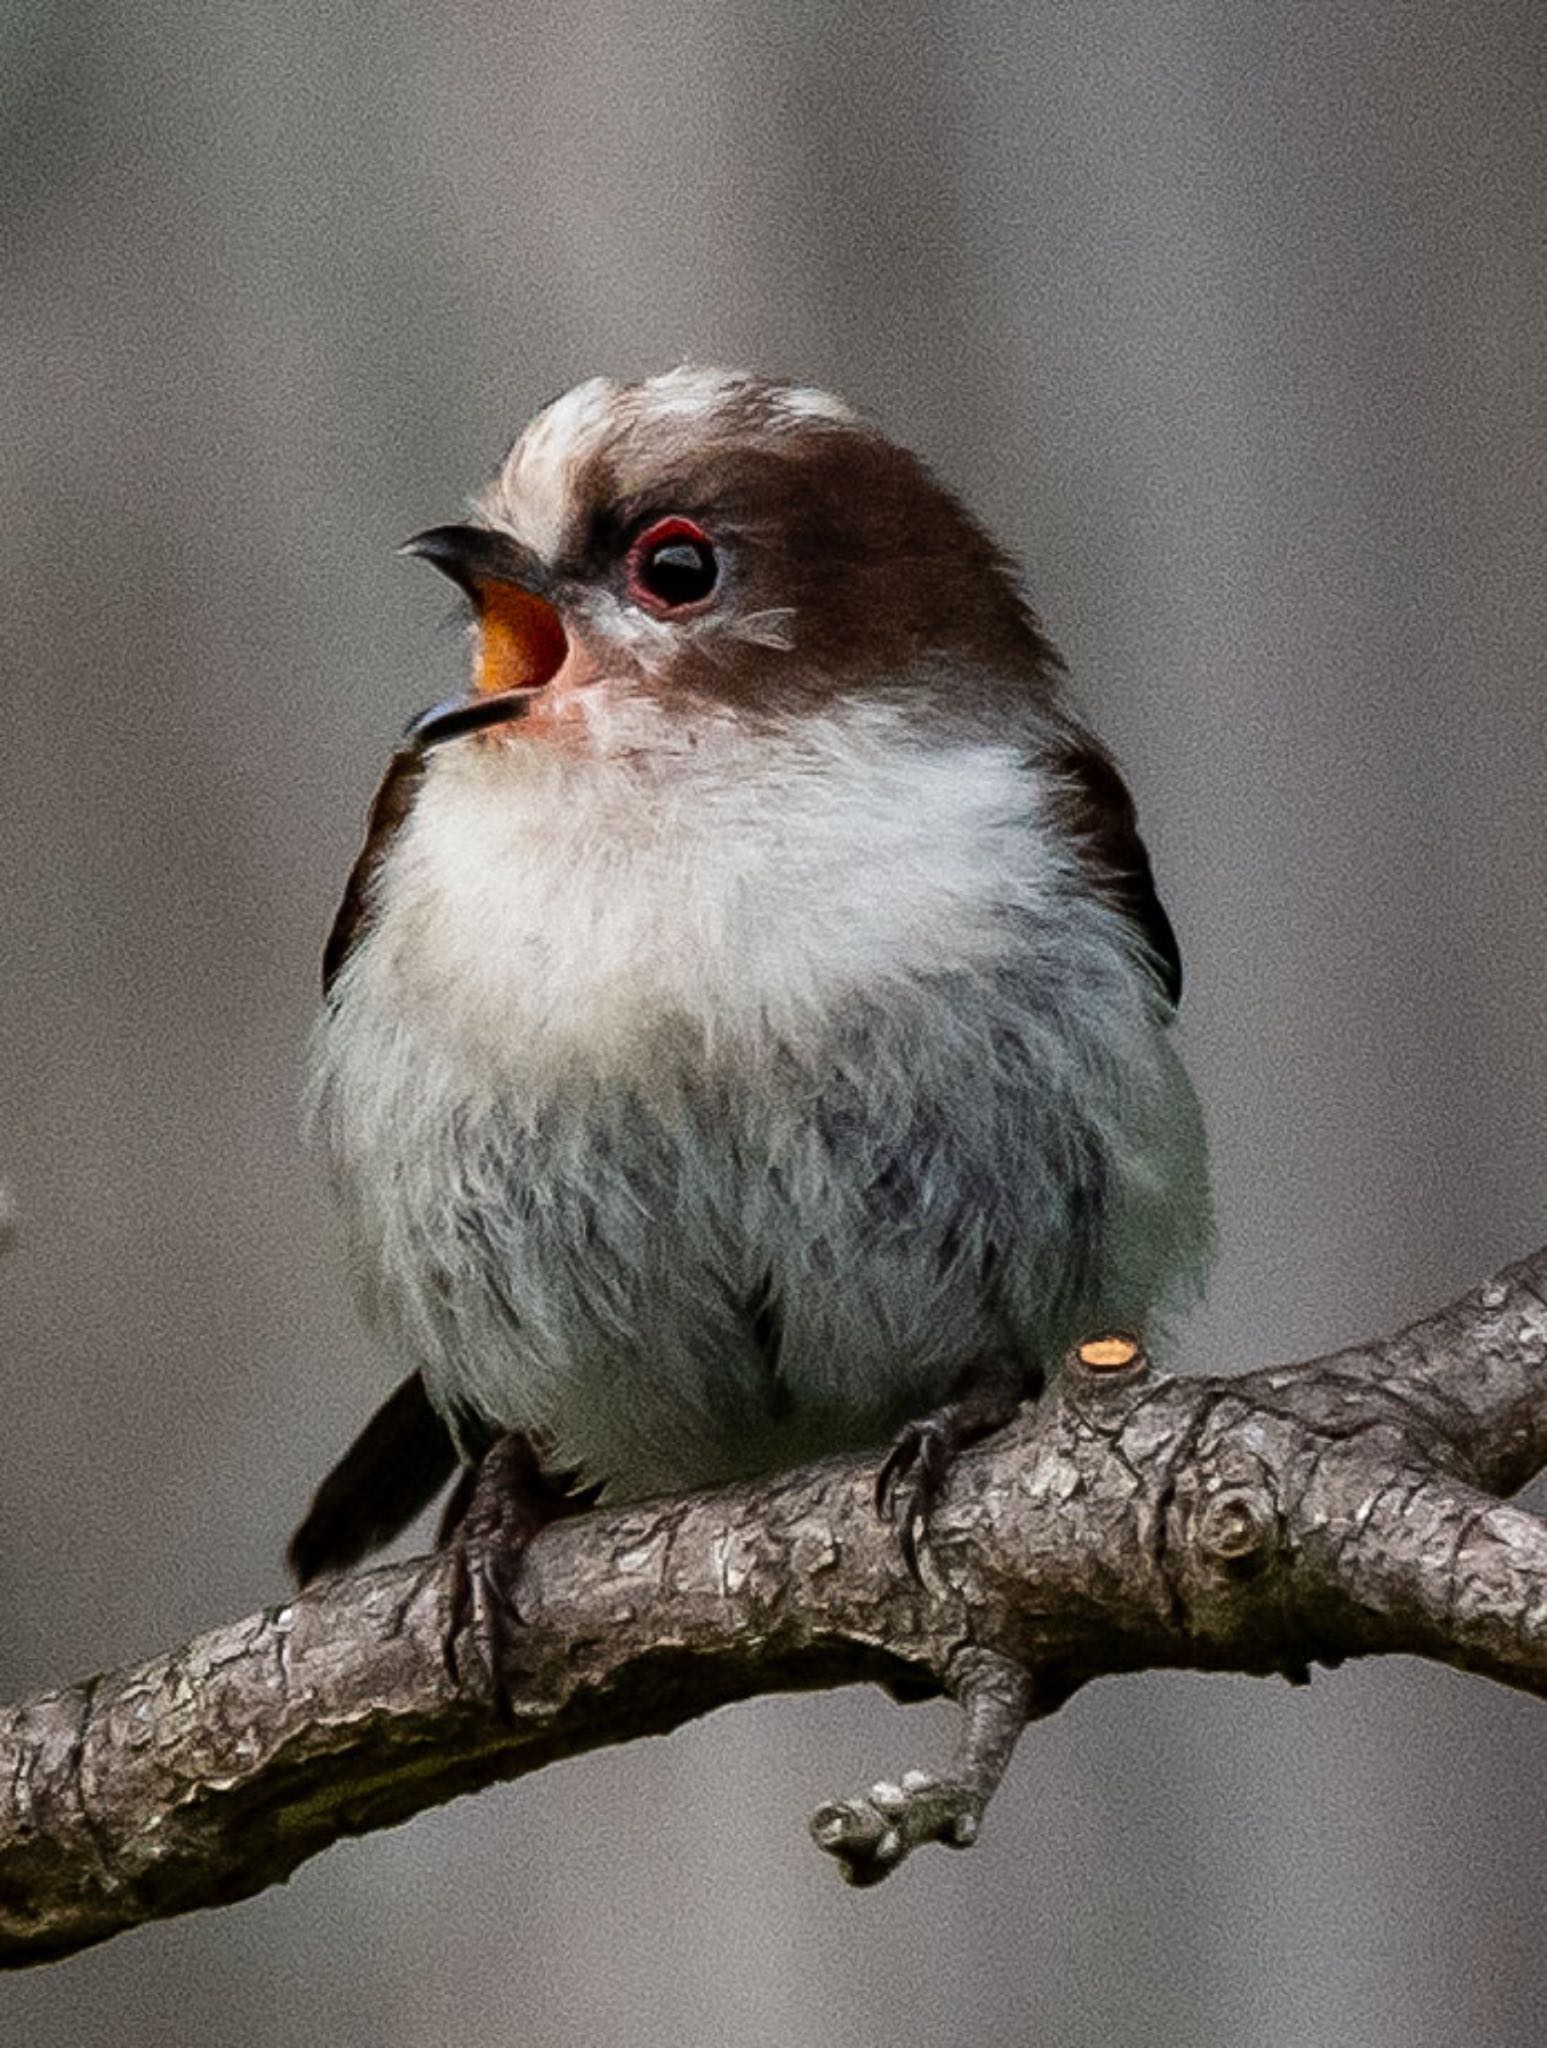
[(673, 567)]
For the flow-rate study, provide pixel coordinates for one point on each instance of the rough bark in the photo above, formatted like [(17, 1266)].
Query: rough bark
[(1342, 1507)]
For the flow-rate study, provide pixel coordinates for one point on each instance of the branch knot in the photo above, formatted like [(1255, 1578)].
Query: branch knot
[(1237, 1530)]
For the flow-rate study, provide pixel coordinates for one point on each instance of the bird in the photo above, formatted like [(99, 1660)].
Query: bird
[(748, 1027)]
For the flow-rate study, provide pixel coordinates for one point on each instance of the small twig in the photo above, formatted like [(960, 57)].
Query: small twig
[(870, 1835)]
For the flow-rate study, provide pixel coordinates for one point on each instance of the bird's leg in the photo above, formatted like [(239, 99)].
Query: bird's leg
[(495, 1509), (911, 1481), (869, 1836)]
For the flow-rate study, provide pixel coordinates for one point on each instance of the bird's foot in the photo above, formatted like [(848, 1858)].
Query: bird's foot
[(918, 1466), (495, 1510)]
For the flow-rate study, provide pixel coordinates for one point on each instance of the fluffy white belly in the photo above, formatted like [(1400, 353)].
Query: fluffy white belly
[(714, 1105)]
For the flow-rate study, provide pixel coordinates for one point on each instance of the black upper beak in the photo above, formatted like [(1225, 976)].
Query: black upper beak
[(475, 555)]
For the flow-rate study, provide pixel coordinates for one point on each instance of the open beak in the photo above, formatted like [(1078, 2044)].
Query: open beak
[(521, 639)]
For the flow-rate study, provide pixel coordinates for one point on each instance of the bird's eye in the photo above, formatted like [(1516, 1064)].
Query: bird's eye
[(672, 565)]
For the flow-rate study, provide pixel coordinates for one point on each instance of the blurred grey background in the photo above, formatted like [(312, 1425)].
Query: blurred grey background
[(1230, 319)]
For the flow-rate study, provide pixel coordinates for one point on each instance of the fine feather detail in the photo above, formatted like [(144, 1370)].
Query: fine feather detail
[(774, 627)]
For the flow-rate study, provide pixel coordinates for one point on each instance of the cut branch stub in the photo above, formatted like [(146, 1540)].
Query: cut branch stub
[(1113, 1352)]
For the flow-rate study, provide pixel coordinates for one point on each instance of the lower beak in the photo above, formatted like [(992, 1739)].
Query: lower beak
[(521, 638), (461, 715)]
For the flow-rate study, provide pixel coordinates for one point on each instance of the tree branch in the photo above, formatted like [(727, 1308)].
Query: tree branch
[(1338, 1508)]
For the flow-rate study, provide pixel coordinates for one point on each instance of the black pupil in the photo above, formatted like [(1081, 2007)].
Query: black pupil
[(679, 571)]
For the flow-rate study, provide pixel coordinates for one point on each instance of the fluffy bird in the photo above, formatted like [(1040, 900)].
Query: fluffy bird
[(747, 1027)]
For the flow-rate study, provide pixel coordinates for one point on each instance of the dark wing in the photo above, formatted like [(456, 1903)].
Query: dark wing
[(404, 1455), (395, 1466), (1099, 812), (389, 807)]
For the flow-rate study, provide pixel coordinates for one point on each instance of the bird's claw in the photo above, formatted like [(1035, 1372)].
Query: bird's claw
[(914, 1475), (910, 1483), (483, 1608), (495, 1519)]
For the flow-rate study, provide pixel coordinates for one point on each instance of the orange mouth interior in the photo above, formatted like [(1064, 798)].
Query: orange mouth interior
[(521, 641)]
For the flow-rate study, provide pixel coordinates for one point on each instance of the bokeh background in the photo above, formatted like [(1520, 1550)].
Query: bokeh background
[(1230, 319)]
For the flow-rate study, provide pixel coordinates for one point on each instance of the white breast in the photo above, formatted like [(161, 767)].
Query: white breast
[(546, 907)]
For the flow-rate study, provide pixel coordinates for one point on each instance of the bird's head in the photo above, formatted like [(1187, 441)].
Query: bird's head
[(709, 542)]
